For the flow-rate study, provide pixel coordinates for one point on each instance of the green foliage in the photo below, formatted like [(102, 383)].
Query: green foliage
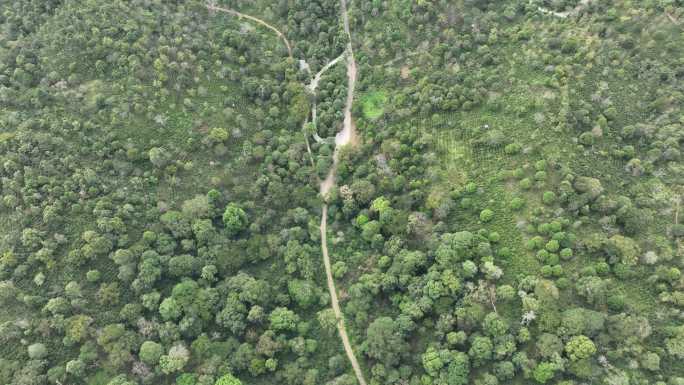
[(480, 350), (486, 215), (283, 319), (373, 104), (218, 135), (234, 218), (512, 157), (384, 341), (544, 372), (302, 292), (37, 351), (186, 379), (580, 347), (624, 248), (175, 360), (432, 362), (228, 379), (549, 197), (675, 344), (169, 309), (150, 352), (458, 369)]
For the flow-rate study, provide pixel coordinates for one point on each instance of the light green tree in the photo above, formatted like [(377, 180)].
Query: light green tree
[(580, 347)]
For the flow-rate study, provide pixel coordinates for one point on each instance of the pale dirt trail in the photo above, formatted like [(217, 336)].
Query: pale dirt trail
[(335, 303), (314, 82), (312, 88), (256, 20), (348, 133), (344, 137)]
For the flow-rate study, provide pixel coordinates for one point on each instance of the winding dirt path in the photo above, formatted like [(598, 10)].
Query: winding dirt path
[(312, 89), (317, 78), (348, 133), (335, 303), (344, 137), (214, 7)]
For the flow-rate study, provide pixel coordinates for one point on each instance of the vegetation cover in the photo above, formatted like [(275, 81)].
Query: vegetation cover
[(409, 192)]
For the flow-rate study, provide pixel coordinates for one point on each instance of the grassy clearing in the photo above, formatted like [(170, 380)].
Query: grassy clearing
[(373, 104)]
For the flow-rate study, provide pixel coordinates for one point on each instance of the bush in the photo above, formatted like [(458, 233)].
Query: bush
[(93, 276), (486, 215), (37, 351), (587, 138), (218, 135), (580, 347), (234, 218), (552, 246), (186, 379), (512, 149), (566, 254), (228, 379), (283, 319), (544, 372), (75, 368), (526, 184), (517, 203), (549, 197), (176, 359), (471, 188), (150, 352)]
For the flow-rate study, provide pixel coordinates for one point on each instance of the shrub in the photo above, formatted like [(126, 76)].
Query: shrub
[(93, 276), (218, 135), (549, 197), (37, 351), (471, 188), (526, 184), (176, 359), (186, 379), (512, 149), (75, 367), (234, 218), (552, 246), (544, 372), (566, 254), (587, 138), (228, 379), (580, 347), (517, 203), (283, 319), (486, 215), (150, 352)]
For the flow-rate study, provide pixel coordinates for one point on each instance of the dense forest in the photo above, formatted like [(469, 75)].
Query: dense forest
[(341, 192)]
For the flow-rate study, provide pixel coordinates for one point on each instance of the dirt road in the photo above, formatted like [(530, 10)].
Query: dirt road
[(348, 133), (256, 20), (344, 137), (335, 303)]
